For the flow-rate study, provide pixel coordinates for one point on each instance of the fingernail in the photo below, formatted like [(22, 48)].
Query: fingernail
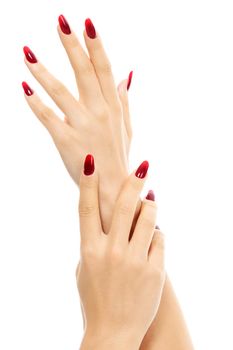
[(150, 196), (129, 79), (28, 91), (64, 25), (142, 170), (90, 29), (89, 165), (157, 227), (29, 55)]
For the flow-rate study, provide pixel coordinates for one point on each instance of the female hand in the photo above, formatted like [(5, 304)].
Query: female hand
[(120, 280), (97, 123)]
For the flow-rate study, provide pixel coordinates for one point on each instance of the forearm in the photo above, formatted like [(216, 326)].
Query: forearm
[(168, 331)]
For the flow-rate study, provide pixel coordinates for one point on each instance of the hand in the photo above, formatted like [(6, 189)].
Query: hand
[(97, 123), (120, 281)]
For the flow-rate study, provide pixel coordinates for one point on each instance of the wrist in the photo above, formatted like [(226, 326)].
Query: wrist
[(112, 339)]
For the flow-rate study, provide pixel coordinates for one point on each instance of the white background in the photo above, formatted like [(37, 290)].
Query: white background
[(181, 105)]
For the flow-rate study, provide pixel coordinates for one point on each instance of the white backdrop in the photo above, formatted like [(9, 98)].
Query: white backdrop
[(181, 105)]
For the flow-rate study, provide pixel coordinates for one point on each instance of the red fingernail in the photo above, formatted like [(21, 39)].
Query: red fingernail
[(29, 55), (142, 170), (28, 91), (89, 165), (150, 195), (157, 227), (129, 79), (90, 29), (64, 25)]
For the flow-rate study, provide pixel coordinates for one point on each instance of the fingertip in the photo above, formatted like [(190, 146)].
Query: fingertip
[(150, 195), (27, 89), (89, 165), (142, 170), (129, 79)]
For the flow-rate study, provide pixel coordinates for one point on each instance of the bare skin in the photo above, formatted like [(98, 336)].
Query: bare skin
[(120, 281), (99, 123)]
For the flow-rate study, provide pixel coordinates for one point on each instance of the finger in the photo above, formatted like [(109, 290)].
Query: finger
[(144, 230), (156, 252), (126, 205), (54, 87), (101, 63), (89, 216), (45, 114), (88, 84), (123, 94)]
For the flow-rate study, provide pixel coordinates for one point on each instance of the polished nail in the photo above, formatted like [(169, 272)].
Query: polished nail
[(89, 165), (90, 29), (29, 55), (28, 91), (157, 227), (142, 170), (150, 195), (129, 79), (64, 25)]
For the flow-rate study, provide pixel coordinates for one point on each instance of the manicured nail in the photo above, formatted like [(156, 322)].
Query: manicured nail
[(28, 91), (64, 25), (150, 196), (29, 55), (142, 170), (157, 227), (89, 165), (129, 79), (90, 29)]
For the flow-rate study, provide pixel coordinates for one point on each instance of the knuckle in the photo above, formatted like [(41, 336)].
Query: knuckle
[(114, 254), (146, 221), (58, 88), (88, 253), (124, 208), (45, 113), (105, 67), (85, 68), (87, 210)]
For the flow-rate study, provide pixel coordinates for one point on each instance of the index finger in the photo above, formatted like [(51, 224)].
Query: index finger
[(89, 216)]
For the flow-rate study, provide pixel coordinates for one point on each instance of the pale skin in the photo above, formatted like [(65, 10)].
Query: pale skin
[(99, 123), (120, 281)]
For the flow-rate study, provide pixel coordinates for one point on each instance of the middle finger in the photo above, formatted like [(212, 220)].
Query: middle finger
[(88, 84)]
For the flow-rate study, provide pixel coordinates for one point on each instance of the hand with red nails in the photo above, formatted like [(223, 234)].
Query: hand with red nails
[(98, 122), (120, 280)]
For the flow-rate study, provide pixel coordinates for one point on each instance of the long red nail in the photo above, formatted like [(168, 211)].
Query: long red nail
[(64, 25), (89, 165), (129, 79), (142, 170), (28, 91), (150, 196), (90, 29), (29, 55)]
